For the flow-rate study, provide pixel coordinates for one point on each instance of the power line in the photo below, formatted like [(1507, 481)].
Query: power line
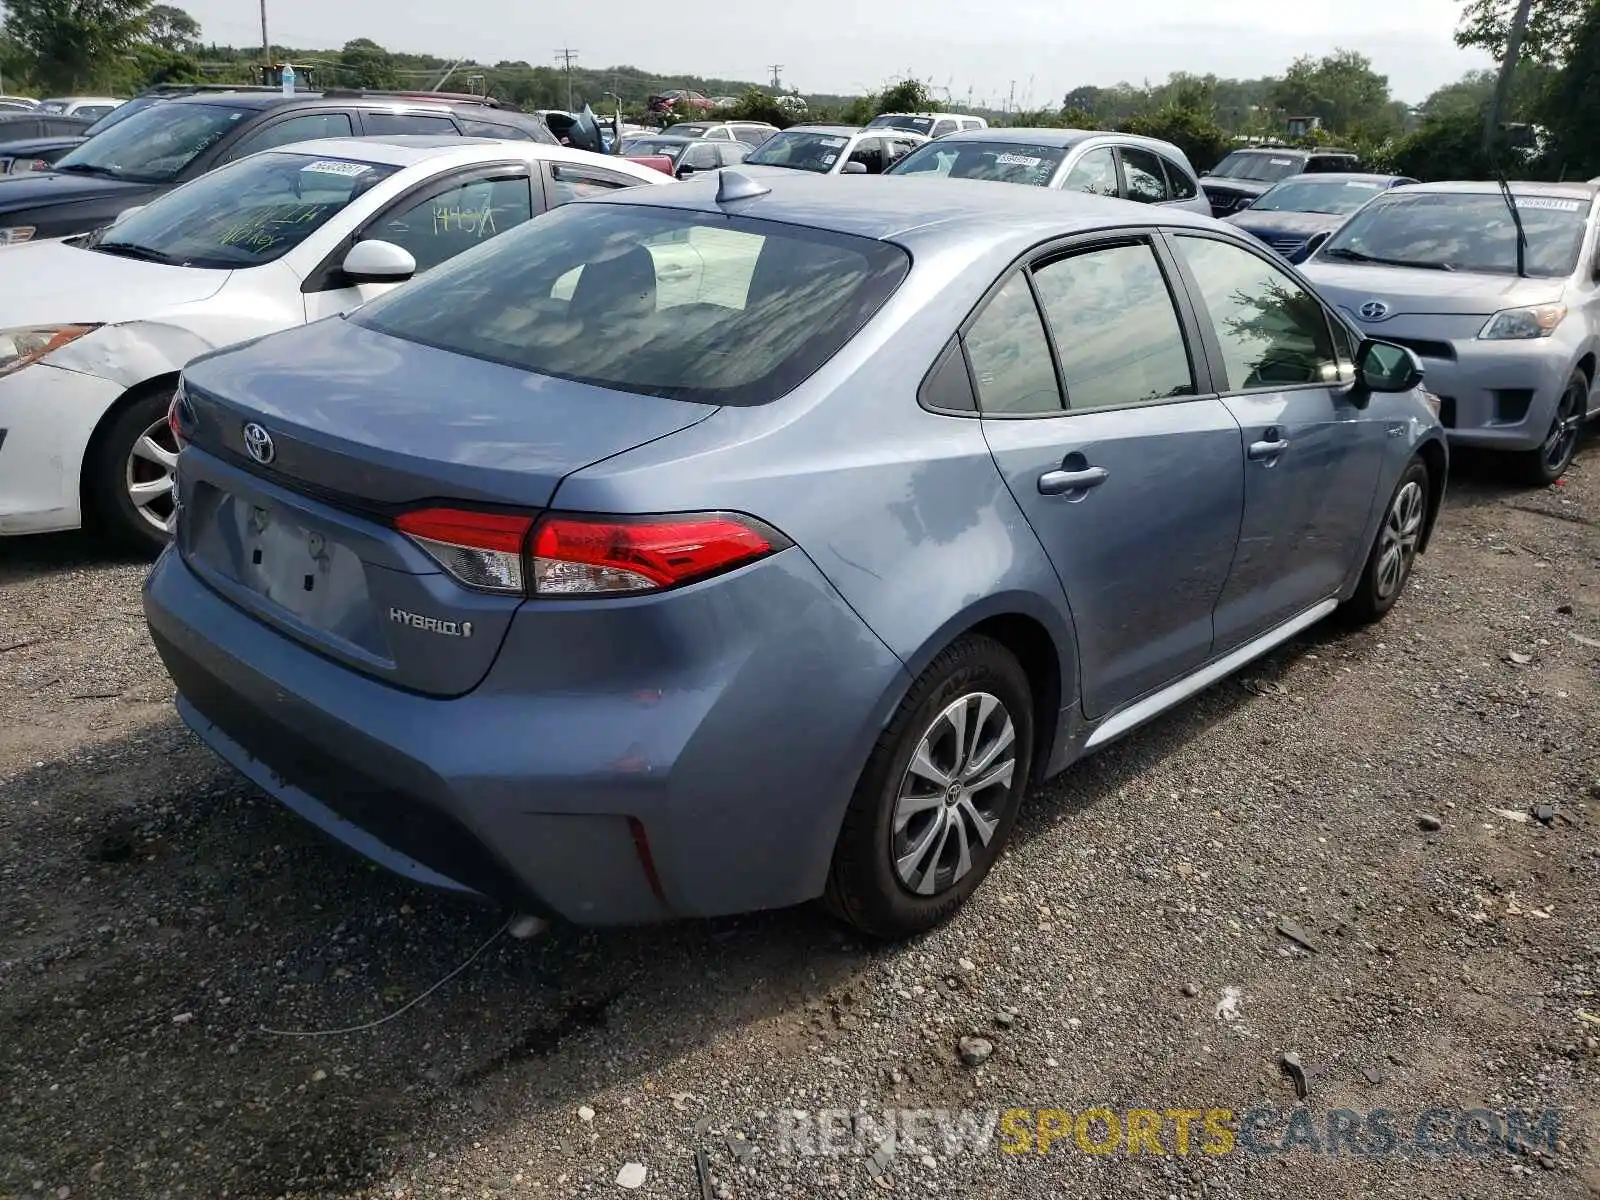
[(777, 76), (564, 56)]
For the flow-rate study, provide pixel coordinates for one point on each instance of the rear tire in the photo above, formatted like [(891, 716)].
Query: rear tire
[(129, 471), (939, 795), (1543, 466), (1394, 549)]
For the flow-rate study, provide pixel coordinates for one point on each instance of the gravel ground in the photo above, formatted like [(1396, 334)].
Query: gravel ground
[(157, 915)]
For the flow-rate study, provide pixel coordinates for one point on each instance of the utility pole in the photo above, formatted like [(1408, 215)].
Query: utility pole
[(777, 76), (266, 42), (1012, 102), (1508, 68), (564, 56)]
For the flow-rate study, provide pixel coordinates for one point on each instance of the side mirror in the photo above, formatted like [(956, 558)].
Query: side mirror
[(1314, 243), (378, 262), (1385, 367), (685, 171), (853, 168), (1205, 174), (126, 213), (1244, 203)]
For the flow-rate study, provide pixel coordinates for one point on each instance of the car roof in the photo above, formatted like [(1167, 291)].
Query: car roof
[(895, 208), (408, 149), (674, 138), (1343, 177), (836, 129), (266, 100)]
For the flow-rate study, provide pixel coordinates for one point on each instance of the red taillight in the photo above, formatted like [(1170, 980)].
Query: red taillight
[(481, 549), (585, 555), (588, 556), (173, 421)]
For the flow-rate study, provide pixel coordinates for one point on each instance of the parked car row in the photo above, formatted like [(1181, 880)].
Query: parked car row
[(716, 545)]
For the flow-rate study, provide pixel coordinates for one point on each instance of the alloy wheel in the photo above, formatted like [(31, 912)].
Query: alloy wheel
[(953, 793), (151, 474), (1397, 543), (1563, 437)]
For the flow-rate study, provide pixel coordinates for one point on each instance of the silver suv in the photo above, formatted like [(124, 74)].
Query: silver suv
[(1507, 327)]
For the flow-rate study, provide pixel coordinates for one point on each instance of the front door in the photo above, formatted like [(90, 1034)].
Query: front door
[(1312, 456), (1130, 477)]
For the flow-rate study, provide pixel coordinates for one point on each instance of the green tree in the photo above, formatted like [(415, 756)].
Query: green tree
[(1191, 130), (1553, 27), (907, 96), (71, 44), (1341, 88), (1573, 107), (365, 64), (172, 29), (757, 105)]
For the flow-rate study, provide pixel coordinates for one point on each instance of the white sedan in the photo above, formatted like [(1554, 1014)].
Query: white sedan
[(94, 329)]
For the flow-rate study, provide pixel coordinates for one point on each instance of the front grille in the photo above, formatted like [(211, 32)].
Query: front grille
[(1424, 348), (1447, 411), (401, 822), (1284, 243)]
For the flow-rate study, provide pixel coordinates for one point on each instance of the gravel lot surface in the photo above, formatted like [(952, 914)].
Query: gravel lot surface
[(1129, 951)]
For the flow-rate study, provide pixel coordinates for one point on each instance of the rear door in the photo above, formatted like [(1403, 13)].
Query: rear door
[(1312, 457), (1095, 403), (445, 217)]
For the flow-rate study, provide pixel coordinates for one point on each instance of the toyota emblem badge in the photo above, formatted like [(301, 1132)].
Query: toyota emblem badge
[(258, 443), (1374, 310)]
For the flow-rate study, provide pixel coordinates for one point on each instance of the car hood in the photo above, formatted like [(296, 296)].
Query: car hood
[(1239, 187), (1408, 291), (40, 189), (26, 146), (54, 283), (1284, 224)]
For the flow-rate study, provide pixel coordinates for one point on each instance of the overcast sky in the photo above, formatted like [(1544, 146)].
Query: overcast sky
[(846, 46)]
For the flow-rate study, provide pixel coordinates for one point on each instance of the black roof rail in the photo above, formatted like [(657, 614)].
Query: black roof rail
[(440, 97), (191, 89)]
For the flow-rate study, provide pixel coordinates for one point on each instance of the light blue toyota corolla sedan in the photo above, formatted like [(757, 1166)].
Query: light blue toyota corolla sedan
[(766, 538)]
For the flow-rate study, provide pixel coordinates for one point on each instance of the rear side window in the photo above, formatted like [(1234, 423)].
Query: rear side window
[(656, 301), (1010, 357), (1179, 182), (385, 123), (1115, 327), (473, 127), (1142, 169)]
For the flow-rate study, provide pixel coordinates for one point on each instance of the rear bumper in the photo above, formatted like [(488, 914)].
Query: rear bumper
[(712, 780), (47, 416)]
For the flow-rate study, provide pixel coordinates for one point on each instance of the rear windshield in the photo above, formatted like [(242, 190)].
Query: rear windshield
[(652, 146), (922, 125), (1464, 232), (1259, 165), (663, 302), (1005, 162)]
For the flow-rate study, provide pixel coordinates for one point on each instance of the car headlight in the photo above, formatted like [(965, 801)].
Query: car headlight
[(1520, 324), (22, 347), (15, 235)]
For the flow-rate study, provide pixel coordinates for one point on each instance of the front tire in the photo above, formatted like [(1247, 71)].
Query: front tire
[(1545, 465), (939, 795), (1394, 550), (130, 471)]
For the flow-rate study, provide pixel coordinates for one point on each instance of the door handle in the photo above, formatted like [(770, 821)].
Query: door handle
[(1058, 483), (1264, 450)]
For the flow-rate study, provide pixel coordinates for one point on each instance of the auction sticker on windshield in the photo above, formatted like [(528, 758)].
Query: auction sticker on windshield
[(1017, 160), (1549, 202), (831, 141), (331, 166)]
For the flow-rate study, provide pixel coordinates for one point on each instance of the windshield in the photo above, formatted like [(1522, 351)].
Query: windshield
[(1338, 196), (663, 302), (689, 131), (801, 151), (155, 145), (244, 214), (1007, 162), (1258, 165), (651, 146), (923, 125), (1464, 232), (121, 113)]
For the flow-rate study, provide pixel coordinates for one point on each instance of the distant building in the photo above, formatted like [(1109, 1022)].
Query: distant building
[(1300, 127)]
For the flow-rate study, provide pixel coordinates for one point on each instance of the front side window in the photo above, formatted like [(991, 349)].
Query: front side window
[(1095, 173), (663, 302), (1009, 354), (1115, 328), (1142, 169), (1464, 231), (1272, 331), (304, 128), (943, 127), (1180, 181), (1006, 162), (801, 150), (445, 225), (242, 215), (869, 153), (155, 144)]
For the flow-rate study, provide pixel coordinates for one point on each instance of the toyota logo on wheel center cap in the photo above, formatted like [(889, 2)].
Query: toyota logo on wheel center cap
[(258, 443), (1374, 310)]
